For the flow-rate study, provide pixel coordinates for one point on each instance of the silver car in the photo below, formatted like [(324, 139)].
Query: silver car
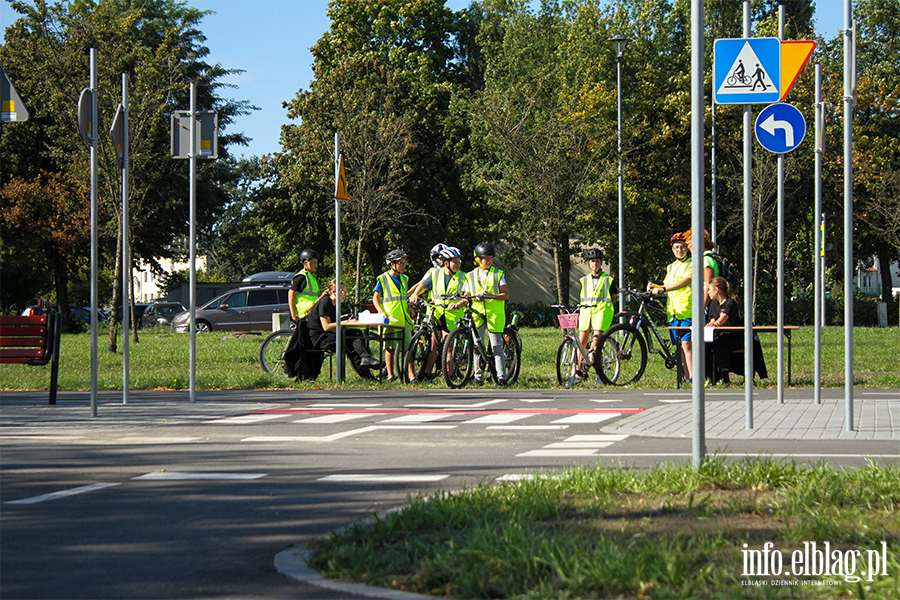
[(242, 309)]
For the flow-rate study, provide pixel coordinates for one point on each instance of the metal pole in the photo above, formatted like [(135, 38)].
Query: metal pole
[(338, 348), (698, 206), (713, 220), (95, 254), (621, 181), (192, 204), (126, 247), (817, 251), (780, 252), (848, 216), (748, 247)]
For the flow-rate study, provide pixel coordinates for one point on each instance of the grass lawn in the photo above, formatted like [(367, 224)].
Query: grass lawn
[(231, 361), (672, 532)]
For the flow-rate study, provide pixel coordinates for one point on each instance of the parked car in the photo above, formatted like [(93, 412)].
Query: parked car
[(160, 313), (247, 308), (282, 277), (139, 309), (79, 313)]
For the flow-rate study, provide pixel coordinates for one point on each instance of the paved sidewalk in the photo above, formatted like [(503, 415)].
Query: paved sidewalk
[(875, 418)]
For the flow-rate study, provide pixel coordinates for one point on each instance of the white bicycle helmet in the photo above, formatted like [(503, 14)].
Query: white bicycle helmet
[(436, 254)]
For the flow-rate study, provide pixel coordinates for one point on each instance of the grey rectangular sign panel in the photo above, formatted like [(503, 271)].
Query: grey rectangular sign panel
[(207, 145), (12, 109)]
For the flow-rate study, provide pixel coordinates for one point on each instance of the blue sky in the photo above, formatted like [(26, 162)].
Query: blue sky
[(270, 41)]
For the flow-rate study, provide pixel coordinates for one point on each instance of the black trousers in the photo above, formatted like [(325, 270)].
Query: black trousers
[(355, 348)]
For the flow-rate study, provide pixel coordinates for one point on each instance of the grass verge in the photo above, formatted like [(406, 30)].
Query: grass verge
[(672, 532)]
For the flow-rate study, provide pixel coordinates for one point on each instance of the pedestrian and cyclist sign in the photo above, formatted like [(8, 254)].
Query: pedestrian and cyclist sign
[(757, 70)]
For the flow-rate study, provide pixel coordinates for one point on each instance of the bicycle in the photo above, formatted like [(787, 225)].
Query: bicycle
[(629, 339), (271, 353), (570, 347), (421, 357), (462, 344)]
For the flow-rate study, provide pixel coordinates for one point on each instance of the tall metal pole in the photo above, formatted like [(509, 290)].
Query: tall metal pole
[(817, 251), (780, 252), (95, 223), (192, 204), (126, 247), (698, 206), (712, 213), (338, 348), (748, 247), (621, 282), (848, 215)]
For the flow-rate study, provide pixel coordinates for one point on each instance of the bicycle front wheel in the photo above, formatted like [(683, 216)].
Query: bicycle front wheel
[(624, 342), (271, 354), (566, 362), (416, 358), (458, 358), (512, 350)]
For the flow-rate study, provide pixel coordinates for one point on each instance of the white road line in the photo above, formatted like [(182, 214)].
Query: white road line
[(588, 418), (246, 419), (604, 401), (414, 426), (418, 418), (534, 400), (339, 405), (576, 445), (501, 418), (363, 478), (559, 452), (603, 437), (478, 405), (679, 401), (188, 476), (338, 418), (310, 438), (72, 492), (528, 427), (894, 394)]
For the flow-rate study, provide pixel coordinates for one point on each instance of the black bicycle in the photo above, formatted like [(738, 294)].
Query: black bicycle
[(630, 341), (463, 343), (421, 357)]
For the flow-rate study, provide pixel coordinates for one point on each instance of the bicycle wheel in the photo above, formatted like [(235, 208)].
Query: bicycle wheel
[(512, 350), (626, 343), (457, 361), (566, 362), (271, 353), (416, 356)]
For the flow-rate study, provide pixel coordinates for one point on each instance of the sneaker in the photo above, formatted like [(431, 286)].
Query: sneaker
[(392, 378), (479, 381), (579, 378)]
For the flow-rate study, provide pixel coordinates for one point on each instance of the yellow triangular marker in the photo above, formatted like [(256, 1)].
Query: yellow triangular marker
[(340, 188), (794, 56)]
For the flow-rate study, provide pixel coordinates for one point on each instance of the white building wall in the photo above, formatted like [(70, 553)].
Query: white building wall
[(147, 283)]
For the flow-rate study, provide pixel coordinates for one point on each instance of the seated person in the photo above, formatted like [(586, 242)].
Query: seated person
[(322, 333), (722, 311)]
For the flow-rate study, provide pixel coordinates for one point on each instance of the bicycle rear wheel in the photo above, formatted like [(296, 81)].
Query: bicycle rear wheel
[(624, 342), (271, 353), (566, 362), (512, 349), (417, 356), (457, 361)]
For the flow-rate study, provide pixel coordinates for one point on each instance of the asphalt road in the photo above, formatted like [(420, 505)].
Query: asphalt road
[(166, 499)]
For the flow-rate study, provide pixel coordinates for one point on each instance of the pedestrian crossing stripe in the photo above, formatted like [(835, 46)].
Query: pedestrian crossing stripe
[(747, 70)]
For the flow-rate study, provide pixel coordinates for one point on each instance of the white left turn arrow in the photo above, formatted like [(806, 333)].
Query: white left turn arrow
[(770, 125)]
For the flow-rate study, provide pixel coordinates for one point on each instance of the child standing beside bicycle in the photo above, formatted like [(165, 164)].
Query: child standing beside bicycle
[(596, 301), (489, 282), (677, 285)]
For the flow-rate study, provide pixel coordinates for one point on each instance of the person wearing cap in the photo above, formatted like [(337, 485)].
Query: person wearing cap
[(438, 284), (677, 286), (710, 266), (390, 299), (304, 288), (489, 281), (597, 308)]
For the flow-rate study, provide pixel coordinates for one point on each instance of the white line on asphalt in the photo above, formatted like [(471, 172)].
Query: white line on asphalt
[(338, 418), (604, 401), (552, 452), (188, 476), (527, 427), (679, 401), (417, 418), (603, 437), (750, 455), (73, 492), (588, 418), (245, 419), (674, 393), (339, 405), (414, 426), (479, 405), (363, 478), (576, 445), (310, 438), (534, 400), (500, 418), (894, 394)]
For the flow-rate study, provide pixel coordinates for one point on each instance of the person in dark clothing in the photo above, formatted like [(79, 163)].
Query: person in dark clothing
[(722, 311), (322, 333)]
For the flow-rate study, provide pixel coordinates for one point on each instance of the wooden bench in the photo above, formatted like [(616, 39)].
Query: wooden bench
[(32, 341)]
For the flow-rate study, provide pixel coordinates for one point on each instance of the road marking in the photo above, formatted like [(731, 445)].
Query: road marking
[(72, 492), (310, 438), (364, 478), (246, 419), (680, 401), (586, 418), (338, 418), (414, 426), (463, 406), (526, 427), (575, 445), (560, 452), (345, 405), (602, 401), (190, 476), (416, 418), (500, 418), (534, 400), (603, 437)]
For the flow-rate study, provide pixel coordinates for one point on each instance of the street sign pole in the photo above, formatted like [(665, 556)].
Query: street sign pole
[(126, 246), (95, 226), (192, 209), (338, 346), (780, 228), (817, 287), (748, 248), (848, 214), (698, 205)]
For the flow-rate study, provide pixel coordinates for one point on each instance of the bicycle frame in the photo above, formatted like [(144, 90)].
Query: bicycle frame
[(641, 320), (585, 353)]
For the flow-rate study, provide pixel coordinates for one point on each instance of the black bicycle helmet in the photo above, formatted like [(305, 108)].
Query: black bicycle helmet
[(394, 255), (484, 249), (593, 253), (308, 255)]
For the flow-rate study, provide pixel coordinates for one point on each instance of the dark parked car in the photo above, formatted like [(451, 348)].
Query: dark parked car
[(241, 309), (139, 309), (160, 313)]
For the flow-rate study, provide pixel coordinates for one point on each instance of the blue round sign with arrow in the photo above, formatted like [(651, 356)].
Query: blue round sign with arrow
[(780, 128)]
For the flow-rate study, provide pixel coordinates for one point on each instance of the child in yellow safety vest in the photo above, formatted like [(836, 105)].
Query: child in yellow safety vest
[(597, 308), (489, 281), (390, 299)]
